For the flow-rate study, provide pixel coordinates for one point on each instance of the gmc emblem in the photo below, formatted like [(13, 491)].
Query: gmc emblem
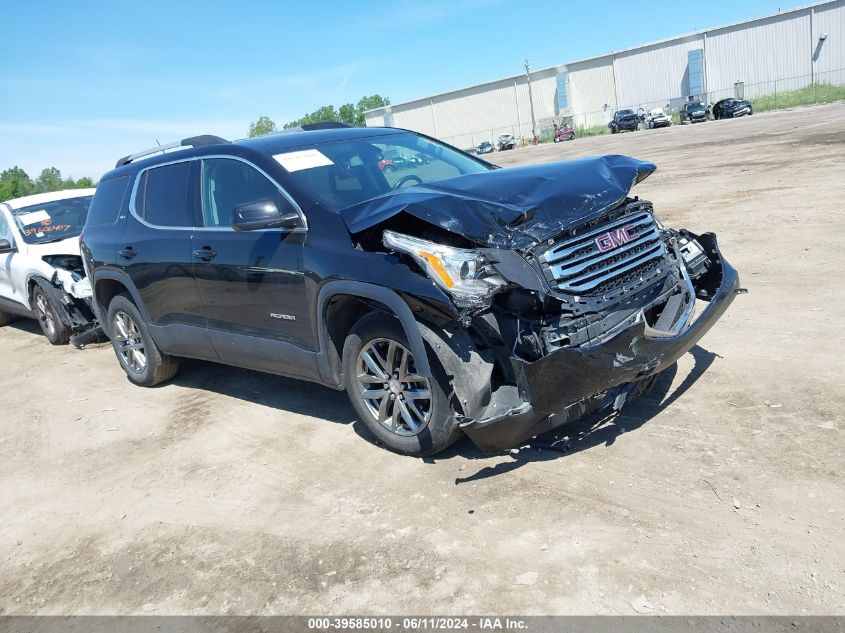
[(612, 239)]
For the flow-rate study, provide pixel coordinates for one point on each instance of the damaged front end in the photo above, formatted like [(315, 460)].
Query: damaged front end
[(573, 297), (565, 365), (76, 298)]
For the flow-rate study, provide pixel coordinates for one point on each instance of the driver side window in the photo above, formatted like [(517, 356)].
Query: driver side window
[(6, 230), (228, 183)]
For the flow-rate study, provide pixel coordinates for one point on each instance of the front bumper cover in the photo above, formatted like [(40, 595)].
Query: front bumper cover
[(568, 383)]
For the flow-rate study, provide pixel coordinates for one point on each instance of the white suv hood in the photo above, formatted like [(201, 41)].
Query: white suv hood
[(70, 246)]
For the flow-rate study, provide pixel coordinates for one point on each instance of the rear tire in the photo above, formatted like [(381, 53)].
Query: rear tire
[(137, 353), (412, 417), (6, 318), (47, 304)]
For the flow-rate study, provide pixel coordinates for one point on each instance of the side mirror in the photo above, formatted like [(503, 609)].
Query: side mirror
[(262, 214), (6, 247)]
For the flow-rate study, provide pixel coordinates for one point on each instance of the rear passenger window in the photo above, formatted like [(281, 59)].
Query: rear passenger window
[(162, 197), (108, 201)]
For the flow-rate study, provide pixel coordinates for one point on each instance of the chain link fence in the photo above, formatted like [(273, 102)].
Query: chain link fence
[(778, 94)]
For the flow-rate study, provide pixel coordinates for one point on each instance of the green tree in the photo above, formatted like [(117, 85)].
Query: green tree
[(326, 113), (347, 113), (50, 179), (14, 183), (372, 102), (264, 125), (85, 183)]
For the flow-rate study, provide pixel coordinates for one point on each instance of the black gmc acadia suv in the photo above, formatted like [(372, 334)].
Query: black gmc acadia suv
[(448, 298)]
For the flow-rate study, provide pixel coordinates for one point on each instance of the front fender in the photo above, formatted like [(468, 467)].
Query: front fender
[(383, 295)]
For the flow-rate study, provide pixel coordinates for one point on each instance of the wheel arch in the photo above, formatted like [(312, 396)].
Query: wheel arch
[(341, 304), (107, 284)]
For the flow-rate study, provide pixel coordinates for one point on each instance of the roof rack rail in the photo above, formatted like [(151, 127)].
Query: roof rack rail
[(324, 125), (310, 127), (193, 141)]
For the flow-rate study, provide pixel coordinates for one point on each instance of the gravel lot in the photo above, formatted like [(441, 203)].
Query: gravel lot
[(229, 491)]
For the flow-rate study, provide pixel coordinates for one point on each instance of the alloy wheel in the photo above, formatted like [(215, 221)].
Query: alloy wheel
[(45, 314), (393, 393), (130, 344)]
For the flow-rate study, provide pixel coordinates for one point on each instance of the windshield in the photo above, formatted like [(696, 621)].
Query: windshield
[(624, 112), (354, 170), (694, 104), (52, 221)]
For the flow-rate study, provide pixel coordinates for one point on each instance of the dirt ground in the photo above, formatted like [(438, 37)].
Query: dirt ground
[(229, 491)]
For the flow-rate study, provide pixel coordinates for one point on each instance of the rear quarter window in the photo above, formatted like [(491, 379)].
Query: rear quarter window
[(108, 201), (162, 197)]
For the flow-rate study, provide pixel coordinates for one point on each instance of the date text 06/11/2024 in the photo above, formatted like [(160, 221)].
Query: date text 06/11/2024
[(417, 624)]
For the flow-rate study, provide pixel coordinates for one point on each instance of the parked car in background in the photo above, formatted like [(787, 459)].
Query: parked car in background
[(657, 118), (564, 133), (506, 141), (485, 147), (386, 165), (460, 299), (41, 273), (399, 160), (732, 108), (694, 112), (624, 121)]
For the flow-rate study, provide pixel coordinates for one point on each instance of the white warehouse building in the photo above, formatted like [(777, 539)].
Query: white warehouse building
[(778, 53)]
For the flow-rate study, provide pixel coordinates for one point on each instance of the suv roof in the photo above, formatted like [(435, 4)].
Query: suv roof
[(268, 145)]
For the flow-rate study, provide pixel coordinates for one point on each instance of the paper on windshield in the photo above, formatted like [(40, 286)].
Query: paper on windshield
[(303, 159), (33, 218)]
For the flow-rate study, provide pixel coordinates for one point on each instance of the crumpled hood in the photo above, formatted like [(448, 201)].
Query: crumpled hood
[(515, 207)]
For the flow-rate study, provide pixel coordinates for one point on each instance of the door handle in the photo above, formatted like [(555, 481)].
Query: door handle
[(128, 252), (205, 253)]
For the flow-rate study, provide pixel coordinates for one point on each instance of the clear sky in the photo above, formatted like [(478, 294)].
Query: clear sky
[(83, 83)]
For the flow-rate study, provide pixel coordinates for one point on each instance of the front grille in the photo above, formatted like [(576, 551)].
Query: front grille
[(633, 250)]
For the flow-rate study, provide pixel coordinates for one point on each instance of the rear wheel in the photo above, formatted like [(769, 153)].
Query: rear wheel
[(46, 301), (407, 412), (6, 318), (136, 351)]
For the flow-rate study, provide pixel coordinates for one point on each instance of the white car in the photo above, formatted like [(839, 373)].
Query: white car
[(657, 118), (41, 273)]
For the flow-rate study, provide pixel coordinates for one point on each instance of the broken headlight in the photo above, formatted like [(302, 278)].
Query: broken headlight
[(465, 274)]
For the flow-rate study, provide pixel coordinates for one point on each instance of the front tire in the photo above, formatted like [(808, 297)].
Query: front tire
[(46, 301), (406, 412), (136, 351)]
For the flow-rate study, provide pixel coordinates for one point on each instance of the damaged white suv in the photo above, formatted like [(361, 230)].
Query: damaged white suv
[(41, 273)]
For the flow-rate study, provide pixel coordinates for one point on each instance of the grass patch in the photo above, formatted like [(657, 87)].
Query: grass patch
[(818, 93), (595, 130)]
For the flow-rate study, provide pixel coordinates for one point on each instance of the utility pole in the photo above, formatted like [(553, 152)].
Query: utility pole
[(531, 101)]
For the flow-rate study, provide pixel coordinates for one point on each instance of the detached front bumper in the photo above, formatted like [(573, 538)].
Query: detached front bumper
[(568, 383)]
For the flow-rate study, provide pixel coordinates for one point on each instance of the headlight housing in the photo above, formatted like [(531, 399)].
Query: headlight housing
[(465, 274)]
